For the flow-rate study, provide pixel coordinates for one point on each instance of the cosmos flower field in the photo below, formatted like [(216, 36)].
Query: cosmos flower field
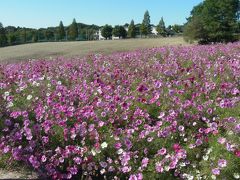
[(161, 113)]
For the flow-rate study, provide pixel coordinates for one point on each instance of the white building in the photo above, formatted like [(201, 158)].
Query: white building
[(154, 30), (99, 34)]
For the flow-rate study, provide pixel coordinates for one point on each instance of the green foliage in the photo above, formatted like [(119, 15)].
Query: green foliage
[(12, 39), (3, 37), (73, 31), (177, 28), (161, 29), (132, 30), (143, 30), (61, 31), (49, 35), (146, 28), (24, 35), (107, 31), (119, 31), (19, 35), (123, 32), (213, 21), (34, 36)]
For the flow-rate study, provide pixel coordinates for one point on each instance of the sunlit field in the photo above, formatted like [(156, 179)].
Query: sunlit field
[(158, 113), (81, 48)]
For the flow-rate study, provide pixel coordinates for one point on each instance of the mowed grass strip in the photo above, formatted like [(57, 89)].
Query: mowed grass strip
[(81, 48)]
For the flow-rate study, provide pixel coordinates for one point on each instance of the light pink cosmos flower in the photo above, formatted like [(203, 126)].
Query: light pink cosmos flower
[(216, 171), (222, 163), (159, 167), (162, 151), (221, 140)]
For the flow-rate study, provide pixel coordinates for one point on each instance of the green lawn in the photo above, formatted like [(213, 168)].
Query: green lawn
[(81, 48)]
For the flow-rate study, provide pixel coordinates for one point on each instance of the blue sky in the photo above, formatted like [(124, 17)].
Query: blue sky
[(44, 13)]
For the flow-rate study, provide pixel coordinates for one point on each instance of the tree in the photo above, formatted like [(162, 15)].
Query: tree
[(61, 31), (213, 21), (12, 38), (107, 31), (119, 31), (161, 29), (132, 30), (143, 30), (177, 28), (116, 31), (34, 35), (146, 24), (23, 35), (123, 32), (73, 30), (49, 35), (3, 37)]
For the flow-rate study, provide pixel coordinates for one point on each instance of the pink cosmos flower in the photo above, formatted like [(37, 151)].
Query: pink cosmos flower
[(145, 162), (216, 171), (162, 151), (222, 163), (126, 169), (237, 153), (162, 114), (43, 158), (159, 167), (176, 147), (221, 140)]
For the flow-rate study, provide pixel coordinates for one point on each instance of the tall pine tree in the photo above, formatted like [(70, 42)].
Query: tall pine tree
[(132, 30), (73, 30), (61, 31), (161, 29), (146, 28)]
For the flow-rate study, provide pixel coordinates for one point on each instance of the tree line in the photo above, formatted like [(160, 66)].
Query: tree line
[(144, 29), (210, 21), (11, 35)]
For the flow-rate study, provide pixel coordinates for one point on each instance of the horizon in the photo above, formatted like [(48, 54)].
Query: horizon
[(173, 12)]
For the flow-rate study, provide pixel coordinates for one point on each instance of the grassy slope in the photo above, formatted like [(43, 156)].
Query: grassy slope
[(69, 49)]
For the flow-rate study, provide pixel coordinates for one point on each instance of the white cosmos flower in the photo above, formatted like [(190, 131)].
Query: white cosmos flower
[(104, 145), (205, 158), (236, 175), (10, 104), (166, 168), (34, 83), (120, 151), (29, 97), (42, 78), (102, 171), (93, 152), (6, 93), (209, 151), (213, 177), (189, 177)]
